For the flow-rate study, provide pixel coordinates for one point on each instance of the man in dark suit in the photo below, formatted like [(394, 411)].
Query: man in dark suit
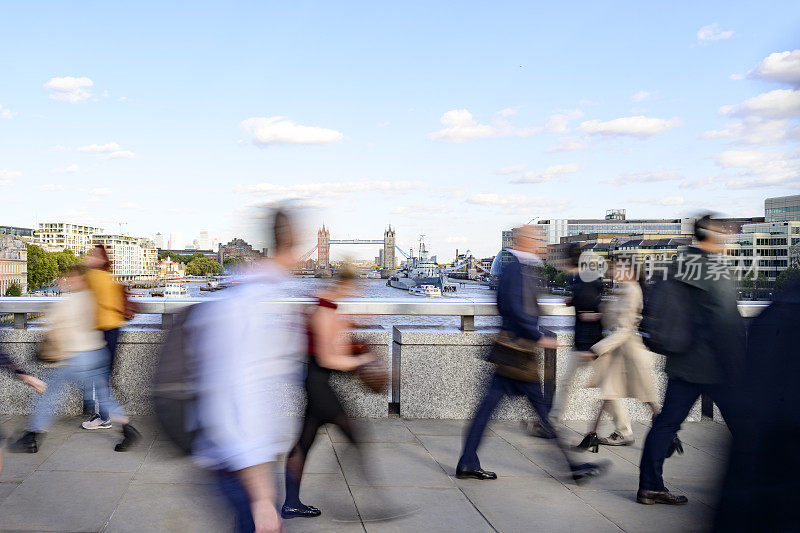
[(518, 307)]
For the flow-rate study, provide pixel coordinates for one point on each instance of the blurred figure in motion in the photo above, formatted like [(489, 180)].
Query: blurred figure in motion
[(79, 352), (623, 366), (327, 351), (35, 383), (704, 349), (109, 298), (516, 365), (586, 289), (248, 348), (759, 490)]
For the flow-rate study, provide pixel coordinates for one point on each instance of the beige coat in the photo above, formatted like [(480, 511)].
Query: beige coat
[(624, 367)]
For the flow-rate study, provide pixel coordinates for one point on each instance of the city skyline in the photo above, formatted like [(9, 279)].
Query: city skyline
[(394, 117)]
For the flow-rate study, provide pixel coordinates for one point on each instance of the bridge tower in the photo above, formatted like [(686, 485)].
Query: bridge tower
[(323, 247), (388, 249)]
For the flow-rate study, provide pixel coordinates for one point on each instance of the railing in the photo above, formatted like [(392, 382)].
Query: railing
[(467, 309)]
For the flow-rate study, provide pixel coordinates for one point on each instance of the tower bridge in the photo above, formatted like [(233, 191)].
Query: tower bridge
[(324, 242)]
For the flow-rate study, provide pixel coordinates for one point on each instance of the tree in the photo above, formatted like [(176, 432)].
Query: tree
[(13, 290), (786, 278), (65, 259), (231, 260), (550, 272), (42, 267), (201, 266), (754, 283), (561, 279)]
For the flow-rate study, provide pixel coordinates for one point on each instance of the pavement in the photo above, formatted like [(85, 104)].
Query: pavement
[(78, 483)]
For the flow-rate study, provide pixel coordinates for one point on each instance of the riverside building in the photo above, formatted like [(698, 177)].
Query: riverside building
[(59, 236), (132, 258), (615, 221), (13, 263)]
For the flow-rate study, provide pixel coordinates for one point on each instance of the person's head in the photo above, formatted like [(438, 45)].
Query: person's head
[(574, 255), (345, 281), (283, 238), (98, 258), (708, 233), (527, 239), (73, 279)]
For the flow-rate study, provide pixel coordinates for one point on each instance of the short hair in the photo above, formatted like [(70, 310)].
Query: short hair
[(100, 251), (346, 272), (701, 226), (282, 235), (574, 252)]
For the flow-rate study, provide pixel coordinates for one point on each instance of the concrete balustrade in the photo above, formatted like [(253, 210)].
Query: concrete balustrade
[(437, 371)]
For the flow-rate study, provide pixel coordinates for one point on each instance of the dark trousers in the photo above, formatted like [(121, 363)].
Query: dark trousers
[(678, 401), (498, 388), (112, 336), (233, 491)]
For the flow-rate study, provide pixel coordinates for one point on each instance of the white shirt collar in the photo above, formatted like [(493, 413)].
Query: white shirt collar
[(527, 258)]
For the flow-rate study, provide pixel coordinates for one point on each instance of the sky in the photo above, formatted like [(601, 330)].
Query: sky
[(453, 121)]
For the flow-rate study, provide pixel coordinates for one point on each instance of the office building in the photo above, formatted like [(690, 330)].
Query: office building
[(238, 249), (13, 263), (203, 243), (59, 236), (23, 234), (782, 208), (766, 248), (175, 242), (615, 221), (159, 241)]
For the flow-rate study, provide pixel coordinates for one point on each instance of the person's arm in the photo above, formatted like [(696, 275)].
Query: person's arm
[(329, 350), (624, 329), (514, 297), (260, 489), (37, 384)]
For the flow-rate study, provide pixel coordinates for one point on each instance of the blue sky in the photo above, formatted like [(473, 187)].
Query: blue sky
[(454, 121)]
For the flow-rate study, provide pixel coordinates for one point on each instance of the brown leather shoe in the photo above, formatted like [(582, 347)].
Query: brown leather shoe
[(649, 497), (617, 439)]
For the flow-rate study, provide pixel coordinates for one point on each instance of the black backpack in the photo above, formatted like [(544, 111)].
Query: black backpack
[(666, 326), (174, 393)]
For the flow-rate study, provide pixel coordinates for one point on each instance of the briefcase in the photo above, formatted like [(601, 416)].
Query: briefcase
[(515, 357)]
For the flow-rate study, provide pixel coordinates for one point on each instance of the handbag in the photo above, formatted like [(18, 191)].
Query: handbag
[(515, 357)]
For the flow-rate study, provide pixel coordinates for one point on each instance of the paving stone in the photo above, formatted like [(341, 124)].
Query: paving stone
[(93, 451), (165, 464), (392, 464), (375, 430), (395, 509), (517, 504), (170, 507), (6, 489), (495, 454), (63, 501), (330, 494)]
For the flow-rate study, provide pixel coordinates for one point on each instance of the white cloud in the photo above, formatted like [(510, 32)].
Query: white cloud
[(66, 170), (515, 169), (384, 124), (50, 187), (122, 99), (110, 150), (100, 148), (638, 126), (69, 89), (780, 103), (754, 130), (59, 148), (781, 67), (6, 113), (559, 121), (760, 169), (456, 239), (515, 201), (427, 210), (568, 144), (508, 112), (460, 126), (130, 205), (713, 32), (121, 154), (315, 190), (9, 174), (644, 176), (550, 173), (642, 96), (744, 158), (268, 131), (100, 191), (667, 200)]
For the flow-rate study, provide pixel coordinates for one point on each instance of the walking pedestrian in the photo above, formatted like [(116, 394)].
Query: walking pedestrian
[(516, 369), (248, 348), (622, 367), (326, 353), (82, 358), (711, 363), (586, 295), (35, 383), (109, 298)]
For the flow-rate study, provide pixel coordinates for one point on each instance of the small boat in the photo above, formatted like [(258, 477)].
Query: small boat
[(212, 286), (371, 275), (429, 291), (157, 293), (175, 290)]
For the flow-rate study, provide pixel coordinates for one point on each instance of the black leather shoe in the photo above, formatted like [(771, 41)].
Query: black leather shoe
[(475, 474), (129, 437), (590, 442), (583, 471), (649, 497), (301, 511), (25, 444)]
